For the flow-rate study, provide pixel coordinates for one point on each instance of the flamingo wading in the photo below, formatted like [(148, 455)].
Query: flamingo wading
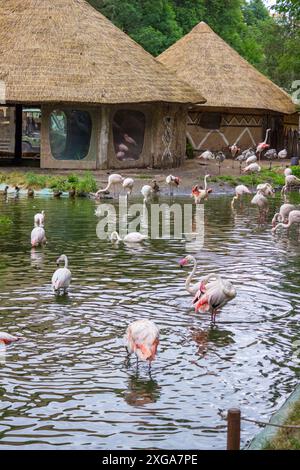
[(62, 277)]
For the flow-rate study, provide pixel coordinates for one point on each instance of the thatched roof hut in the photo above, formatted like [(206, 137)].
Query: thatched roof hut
[(64, 51), (229, 83)]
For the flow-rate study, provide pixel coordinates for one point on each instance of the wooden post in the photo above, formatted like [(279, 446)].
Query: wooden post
[(233, 429), (18, 133)]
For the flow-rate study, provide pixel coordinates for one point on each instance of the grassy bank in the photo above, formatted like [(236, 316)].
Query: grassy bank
[(275, 177), (82, 184), (287, 439)]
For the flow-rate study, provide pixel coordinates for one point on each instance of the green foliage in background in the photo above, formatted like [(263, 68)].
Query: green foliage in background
[(268, 40)]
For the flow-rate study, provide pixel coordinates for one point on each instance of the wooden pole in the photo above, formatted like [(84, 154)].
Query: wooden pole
[(18, 134), (233, 429)]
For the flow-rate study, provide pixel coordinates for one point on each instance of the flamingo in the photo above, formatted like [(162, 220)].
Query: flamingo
[(133, 237), (252, 168), (251, 159), (266, 189), (172, 182), (260, 201), (128, 184), (240, 190), (129, 140), (288, 171), (290, 181), (282, 154), (294, 218), (123, 148), (113, 181), (38, 237), (39, 219), (6, 339), (212, 292), (200, 194), (207, 155), (142, 339), (234, 150), (146, 192), (263, 145), (283, 214), (61, 279), (271, 155)]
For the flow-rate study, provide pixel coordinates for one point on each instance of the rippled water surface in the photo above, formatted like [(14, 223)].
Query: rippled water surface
[(69, 385)]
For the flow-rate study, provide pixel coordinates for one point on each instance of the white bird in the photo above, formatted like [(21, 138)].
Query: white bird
[(266, 189), (283, 214), (123, 148), (290, 182), (294, 218), (146, 192), (113, 181), (142, 339), (128, 184), (240, 190), (133, 237), (252, 168), (172, 182), (260, 201), (282, 154), (288, 171), (39, 219), (251, 159), (38, 237), (62, 277), (212, 293), (207, 155)]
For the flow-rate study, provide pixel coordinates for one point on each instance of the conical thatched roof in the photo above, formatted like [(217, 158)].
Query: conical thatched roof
[(227, 80), (65, 51)]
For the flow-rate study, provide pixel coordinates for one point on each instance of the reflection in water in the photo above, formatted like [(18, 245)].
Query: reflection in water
[(67, 385)]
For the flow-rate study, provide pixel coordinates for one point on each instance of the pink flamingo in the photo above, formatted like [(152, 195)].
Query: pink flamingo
[(199, 193), (234, 150), (39, 219), (294, 218), (38, 237), (142, 339), (240, 190), (61, 279), (172, 182), (263, 145), (283, 214), (6, 339)]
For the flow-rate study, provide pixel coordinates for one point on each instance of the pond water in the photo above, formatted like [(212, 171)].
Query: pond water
[(69, 385)]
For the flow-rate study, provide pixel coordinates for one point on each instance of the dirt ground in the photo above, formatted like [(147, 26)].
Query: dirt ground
[(191, 172)]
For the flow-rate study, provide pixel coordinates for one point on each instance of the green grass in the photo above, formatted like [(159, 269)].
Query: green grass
[(287, 439), (82, 184), (276, 178), (5, 223)]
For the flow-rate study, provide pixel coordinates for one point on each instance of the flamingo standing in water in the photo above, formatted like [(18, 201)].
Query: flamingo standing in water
[(199, 194), (61, 279), (39, 219), (212, 293), (283, 214), (147, 192), (266, 189), (38, 237), (260, 201), (113, 181), (240, 190), (142, 339), (263, 145), (128, 184), (172, 182), (294, 219)]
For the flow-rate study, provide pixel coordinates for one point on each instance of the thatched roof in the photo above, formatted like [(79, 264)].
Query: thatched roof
[(66, 51), (226, 80)]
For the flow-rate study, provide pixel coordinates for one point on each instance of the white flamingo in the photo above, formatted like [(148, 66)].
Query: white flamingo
[(266, 189), (142, 339), (234, 150), (113, 181), (251, 159), (146, 192), (291, 181), (288, 171), (172, 182), (38, 237), (128, 184), (282, 154), (263, 145), (240, 190), (39, 219), (294, 219), (62, 277), (199, 194), (283, 214), (207, 155), (212, 293), (252, 168), (133, 237), (261, 202)]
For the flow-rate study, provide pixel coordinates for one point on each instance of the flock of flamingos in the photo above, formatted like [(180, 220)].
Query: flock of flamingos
[(211, 292)]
